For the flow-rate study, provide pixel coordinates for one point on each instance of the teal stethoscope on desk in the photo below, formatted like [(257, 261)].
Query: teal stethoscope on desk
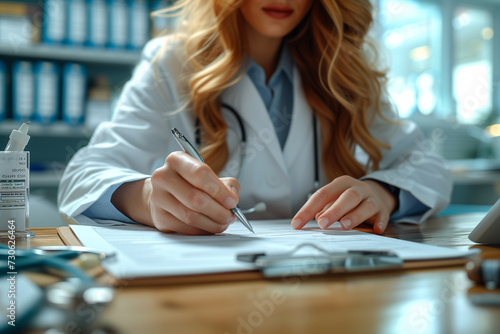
[(78, 290), (262, 206)]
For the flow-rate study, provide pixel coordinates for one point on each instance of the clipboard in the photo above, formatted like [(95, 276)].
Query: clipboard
[(69, 238)]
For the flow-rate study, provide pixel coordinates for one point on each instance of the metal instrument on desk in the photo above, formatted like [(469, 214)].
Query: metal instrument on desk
[(64, 300), (484, 272)]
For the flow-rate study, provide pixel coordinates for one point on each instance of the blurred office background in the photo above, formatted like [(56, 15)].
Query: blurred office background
[(63, 64)]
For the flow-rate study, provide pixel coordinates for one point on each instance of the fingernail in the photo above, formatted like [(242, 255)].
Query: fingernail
[(233, 189), (381, 226), (231, 220), (230, 202), (323, 223), (346, 223), (296, 223)]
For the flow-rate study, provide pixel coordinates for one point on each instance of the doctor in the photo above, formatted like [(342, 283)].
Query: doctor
[(282, 101)]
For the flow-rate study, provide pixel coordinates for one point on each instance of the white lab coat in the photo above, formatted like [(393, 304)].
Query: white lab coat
[(138, 139)]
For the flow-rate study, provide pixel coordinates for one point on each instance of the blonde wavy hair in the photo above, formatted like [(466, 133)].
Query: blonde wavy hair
[(340, 83)]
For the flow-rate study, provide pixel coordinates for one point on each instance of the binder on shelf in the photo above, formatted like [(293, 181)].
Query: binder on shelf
[(76, 22), (74, 90), (46, 91), (23, 91), (118, 25), (138, 23), (161, 22), (54, 31), (97, 23), (3, 90), (15, 26)]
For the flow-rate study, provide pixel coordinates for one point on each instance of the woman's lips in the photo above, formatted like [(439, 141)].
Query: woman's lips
[(278, 11)]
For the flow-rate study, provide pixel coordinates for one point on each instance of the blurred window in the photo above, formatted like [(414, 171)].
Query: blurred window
[(440, 57), (473, 64), (411, 35)]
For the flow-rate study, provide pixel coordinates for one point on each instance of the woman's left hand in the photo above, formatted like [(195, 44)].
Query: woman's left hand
[(349, 201)]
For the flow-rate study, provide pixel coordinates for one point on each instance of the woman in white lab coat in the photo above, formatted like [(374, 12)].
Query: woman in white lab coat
[(282, 101)]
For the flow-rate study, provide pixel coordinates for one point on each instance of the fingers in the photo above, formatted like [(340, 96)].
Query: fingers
[(348, 214), (201, 176), (166, 222), (320, 199), (352, 198), (176, 217), (232, 184), (191, 205), (381, 224), (194, 200), (188, 197), (347, 200)]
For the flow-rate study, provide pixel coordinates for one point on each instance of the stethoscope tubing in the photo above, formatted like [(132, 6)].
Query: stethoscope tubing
[(29, 260)]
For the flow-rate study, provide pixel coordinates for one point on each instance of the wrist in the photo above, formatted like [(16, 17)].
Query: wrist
[(145, 200), (132, 199)]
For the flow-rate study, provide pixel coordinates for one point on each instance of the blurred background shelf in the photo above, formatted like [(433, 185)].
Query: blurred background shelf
[(43, 179), (87, 55), (101, 40), (56, 129)]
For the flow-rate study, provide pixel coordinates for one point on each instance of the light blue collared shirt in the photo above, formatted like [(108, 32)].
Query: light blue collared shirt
[(277, 94)]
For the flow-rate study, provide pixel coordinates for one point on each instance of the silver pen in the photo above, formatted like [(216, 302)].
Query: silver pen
[(189, 149)]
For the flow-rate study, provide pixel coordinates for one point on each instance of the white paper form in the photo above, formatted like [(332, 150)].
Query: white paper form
[(145, 252)]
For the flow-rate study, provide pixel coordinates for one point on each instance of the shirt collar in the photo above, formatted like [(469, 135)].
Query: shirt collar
[(285, 66)]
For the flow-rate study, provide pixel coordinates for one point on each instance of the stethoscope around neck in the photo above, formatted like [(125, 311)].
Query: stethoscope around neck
[(261, 206)]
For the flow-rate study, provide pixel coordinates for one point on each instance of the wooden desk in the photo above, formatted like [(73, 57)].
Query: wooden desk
[(413, 301)]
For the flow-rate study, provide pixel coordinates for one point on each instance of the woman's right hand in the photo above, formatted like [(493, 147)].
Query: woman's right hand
[(184, 195)]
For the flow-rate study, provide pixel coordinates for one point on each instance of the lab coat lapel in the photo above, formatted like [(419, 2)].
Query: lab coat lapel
[(245, 99), (300, 136)]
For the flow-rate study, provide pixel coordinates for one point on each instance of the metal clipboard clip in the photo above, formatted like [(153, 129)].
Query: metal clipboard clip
[(286, 264)]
